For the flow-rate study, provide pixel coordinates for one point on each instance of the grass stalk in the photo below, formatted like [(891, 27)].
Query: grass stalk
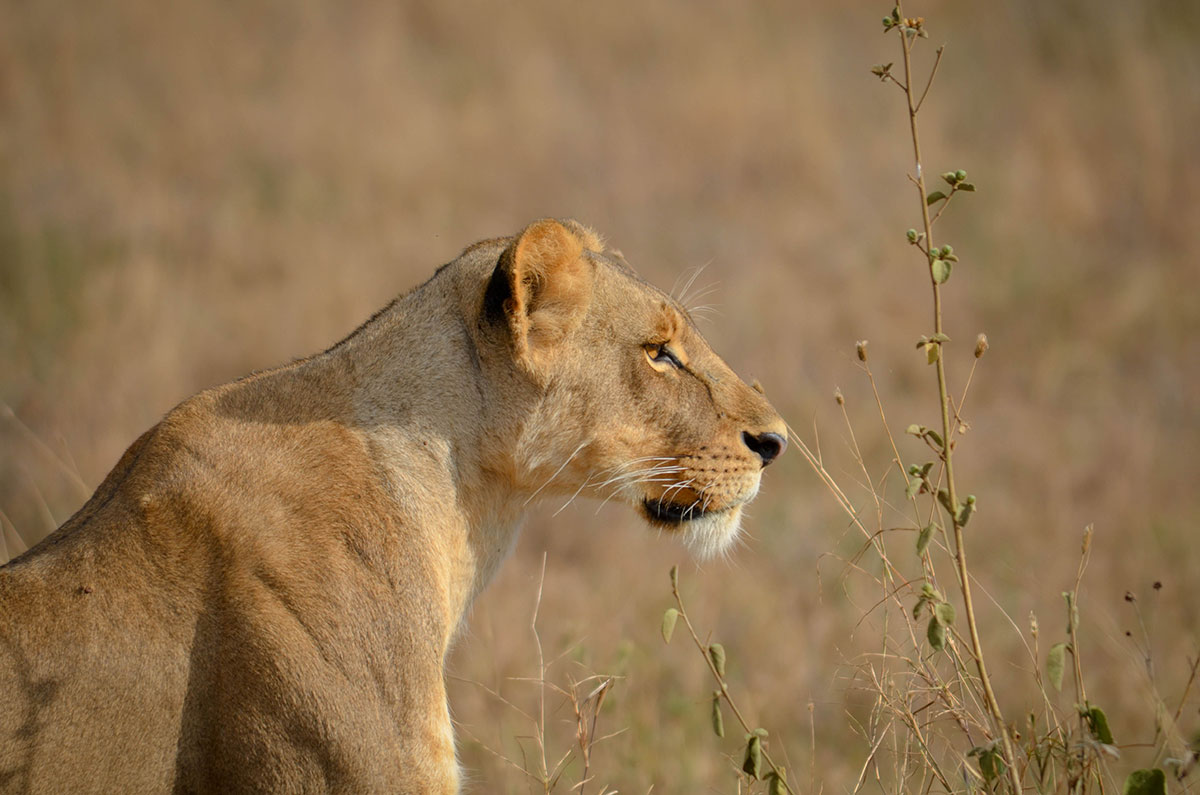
[(907, 40)]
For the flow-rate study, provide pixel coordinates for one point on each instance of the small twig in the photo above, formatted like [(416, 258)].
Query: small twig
[(932, 73), (7, 412), (724, 688), (945, 204), (955, 523), (1187, 688), (541, 721)]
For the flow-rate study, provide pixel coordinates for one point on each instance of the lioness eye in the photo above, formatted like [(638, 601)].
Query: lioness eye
[(661, 354)]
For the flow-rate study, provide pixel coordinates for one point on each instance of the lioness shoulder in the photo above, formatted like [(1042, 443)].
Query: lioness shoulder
[(261, 594)]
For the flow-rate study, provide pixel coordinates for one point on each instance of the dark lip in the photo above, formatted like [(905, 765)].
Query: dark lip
[(672, 513)]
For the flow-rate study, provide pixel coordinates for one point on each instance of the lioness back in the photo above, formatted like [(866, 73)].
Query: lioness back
[(261, 594)]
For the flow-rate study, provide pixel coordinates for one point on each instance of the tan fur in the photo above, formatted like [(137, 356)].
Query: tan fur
[(261, 594)]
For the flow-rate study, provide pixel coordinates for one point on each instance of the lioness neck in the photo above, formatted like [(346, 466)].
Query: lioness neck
[(451, 469)]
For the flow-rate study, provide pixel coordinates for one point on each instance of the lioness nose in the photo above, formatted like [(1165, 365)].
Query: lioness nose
[(767, 446)]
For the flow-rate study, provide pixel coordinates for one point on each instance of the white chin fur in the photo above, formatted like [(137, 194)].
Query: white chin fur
[(713, 534)]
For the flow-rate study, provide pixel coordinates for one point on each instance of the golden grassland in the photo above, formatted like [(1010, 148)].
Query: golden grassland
[(191, 191)]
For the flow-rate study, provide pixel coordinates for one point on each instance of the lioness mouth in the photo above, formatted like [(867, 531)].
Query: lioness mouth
[(674, 513)]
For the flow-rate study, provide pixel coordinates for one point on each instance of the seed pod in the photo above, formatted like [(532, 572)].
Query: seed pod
[(965, 510), (924, 537), (752, 764), (775, 782), (668, 623), (675, 577), (860, 347), (936, 634), (718, 721), (981, 345), (716, 653), (1056, 662)]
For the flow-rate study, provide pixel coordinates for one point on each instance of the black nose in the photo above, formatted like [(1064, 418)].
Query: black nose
[(767, 446)]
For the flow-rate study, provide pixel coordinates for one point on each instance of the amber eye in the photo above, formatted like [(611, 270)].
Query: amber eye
[(658, 353)]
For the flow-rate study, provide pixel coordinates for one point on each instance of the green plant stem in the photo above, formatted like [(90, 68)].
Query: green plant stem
[(960, 551), (721, 682)]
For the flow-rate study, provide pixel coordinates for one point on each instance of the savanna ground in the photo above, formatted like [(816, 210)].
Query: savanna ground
[(190, 191)]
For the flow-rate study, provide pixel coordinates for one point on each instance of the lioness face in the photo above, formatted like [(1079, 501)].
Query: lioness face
[(687, 440), (637, 405)]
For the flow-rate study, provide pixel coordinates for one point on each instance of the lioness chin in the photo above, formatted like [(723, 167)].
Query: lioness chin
[(260, 595)]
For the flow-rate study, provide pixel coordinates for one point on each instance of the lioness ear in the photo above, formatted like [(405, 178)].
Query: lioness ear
[(549, 286)]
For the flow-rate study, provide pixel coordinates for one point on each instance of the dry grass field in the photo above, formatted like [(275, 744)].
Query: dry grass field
[(190, 191)]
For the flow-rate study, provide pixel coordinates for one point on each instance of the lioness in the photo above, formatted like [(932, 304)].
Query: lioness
[(260, 596)]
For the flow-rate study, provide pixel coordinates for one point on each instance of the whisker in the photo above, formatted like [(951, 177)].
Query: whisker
[(678, 487), (683, 297), (703, 292), (556, 473), (639, 474), (679, 294)]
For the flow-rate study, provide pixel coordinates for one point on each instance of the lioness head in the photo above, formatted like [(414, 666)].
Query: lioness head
[(631, 402)]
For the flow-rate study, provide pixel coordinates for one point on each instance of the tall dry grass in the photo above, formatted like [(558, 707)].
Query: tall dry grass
[(191, 191)]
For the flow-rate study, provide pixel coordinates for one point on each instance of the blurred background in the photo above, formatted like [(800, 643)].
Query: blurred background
[(193, 190)]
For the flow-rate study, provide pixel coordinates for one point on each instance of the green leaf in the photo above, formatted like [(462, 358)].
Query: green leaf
[(1145, 782), (931, 350), (1072, 611), (990, 765), (914, 486), (941, 270), (718, 721), (934, 197), (966, 510), (1056, 663), (921, 602), (915, 430), (949, 177), (716, 652), (911, 235), (668, 623), (775, 782), (935, 437), (944, 499), (944, 613), (1099, 724), (924, 536), (675, 578), (960, 175), (752, 763), (967, 186), (940, 336), (936, 634)]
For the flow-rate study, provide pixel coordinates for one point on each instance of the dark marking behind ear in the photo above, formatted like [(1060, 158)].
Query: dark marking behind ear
[(498, 292)]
